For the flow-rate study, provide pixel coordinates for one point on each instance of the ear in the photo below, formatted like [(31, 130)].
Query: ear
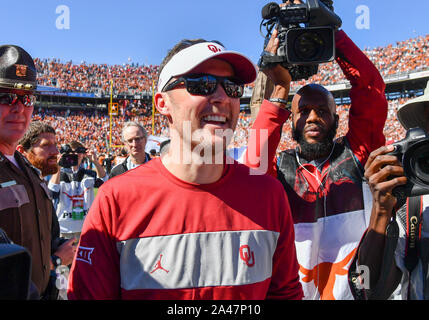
[(161, 103), (337, 119)]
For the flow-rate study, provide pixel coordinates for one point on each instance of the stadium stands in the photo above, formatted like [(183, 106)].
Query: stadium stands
[(92, 128), (404, 57)]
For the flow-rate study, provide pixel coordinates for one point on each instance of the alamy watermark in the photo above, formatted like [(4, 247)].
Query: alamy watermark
[(363, 20), (63, 20), (201, 146), (362, 281)]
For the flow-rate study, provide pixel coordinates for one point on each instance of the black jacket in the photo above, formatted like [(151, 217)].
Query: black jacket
[(122, 167)]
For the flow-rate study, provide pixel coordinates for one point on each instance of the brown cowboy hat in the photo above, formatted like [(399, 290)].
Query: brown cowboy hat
[(17, 69)]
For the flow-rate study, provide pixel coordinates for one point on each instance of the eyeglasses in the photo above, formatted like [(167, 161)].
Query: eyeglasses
[(10, 99), (206, 84)]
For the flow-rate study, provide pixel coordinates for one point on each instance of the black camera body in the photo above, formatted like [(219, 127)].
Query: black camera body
[(306, 35), (413, 152), (68, 158)]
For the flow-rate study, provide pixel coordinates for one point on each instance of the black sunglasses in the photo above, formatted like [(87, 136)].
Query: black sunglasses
[(10, 99), (206, 84)]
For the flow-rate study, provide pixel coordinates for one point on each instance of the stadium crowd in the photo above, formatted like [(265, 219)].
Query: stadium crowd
[(405, 56), (95, 78)]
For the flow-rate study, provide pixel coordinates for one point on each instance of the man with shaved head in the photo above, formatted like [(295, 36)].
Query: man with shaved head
[(323, 176)]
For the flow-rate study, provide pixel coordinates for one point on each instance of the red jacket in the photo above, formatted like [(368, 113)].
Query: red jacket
[(328, 207)]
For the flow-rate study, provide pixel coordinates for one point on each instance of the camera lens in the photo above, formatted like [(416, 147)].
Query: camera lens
[(422, 160), (418, 159), (309, 46)]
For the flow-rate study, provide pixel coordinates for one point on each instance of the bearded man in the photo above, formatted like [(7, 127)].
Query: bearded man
[(323, 177), (39, 146)]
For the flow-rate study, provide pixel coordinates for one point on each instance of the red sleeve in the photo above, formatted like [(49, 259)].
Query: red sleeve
[(368, 110), (95, 272), (264, 137), (285, 282)]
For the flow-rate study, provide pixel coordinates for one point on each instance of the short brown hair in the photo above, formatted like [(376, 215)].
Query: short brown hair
[(31, 136)]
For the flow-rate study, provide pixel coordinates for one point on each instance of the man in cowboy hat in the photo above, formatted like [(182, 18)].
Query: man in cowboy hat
[(395, 251), (25, 204)]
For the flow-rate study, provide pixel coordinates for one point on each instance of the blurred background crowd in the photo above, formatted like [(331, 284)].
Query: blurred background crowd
[(92, 128)]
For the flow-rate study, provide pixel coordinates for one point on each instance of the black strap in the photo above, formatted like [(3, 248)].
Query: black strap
[(414, 209), (424, 256), (392, 234)]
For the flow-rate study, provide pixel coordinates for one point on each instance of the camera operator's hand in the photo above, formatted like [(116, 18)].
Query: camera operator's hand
[(279, 75), (383, 173), (289, 2), (92, 156)]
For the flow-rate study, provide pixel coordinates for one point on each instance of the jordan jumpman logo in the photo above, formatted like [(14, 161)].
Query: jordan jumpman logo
[(158, 265)]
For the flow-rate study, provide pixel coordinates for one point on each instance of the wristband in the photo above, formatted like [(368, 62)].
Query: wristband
[(279, 100)]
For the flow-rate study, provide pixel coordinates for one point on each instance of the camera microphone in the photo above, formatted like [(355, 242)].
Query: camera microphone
[(270, 10)]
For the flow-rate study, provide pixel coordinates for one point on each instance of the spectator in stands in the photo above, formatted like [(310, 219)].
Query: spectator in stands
[(73, 186), (25, 206), (395, 251), (322, 172), (39, 146), (155, 219), (134, 136)]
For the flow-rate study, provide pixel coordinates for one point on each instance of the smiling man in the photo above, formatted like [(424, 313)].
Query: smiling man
[(191, 225), (25, 206)]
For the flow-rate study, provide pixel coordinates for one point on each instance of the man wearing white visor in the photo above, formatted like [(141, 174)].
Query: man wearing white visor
[(193, 224)]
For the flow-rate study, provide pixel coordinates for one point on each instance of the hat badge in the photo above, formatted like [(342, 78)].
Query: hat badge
[(21, 70)]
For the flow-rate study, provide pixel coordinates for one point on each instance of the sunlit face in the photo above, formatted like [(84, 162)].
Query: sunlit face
[(313, 114), (14, 121), (211, 115), (43, 154), (134, 140)]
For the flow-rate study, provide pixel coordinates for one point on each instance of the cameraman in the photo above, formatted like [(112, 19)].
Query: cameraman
[(74, 189), (322, 176), (388, 266)]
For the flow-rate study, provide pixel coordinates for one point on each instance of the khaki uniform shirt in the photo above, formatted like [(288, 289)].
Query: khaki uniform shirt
[(26, 214)]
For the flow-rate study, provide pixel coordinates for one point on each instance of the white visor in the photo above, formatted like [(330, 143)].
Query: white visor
[(191, 57)]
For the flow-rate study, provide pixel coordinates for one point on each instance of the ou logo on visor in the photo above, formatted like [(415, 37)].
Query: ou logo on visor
[(213, 48), (247, 255)]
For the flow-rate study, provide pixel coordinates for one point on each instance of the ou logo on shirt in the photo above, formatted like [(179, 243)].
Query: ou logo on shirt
[(247, 255)]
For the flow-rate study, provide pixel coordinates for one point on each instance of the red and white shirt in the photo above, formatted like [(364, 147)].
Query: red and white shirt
[(150, 235)]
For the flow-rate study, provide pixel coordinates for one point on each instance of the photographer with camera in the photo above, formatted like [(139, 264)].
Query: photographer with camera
[(395, 247), (73, 187), (322, 177)]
